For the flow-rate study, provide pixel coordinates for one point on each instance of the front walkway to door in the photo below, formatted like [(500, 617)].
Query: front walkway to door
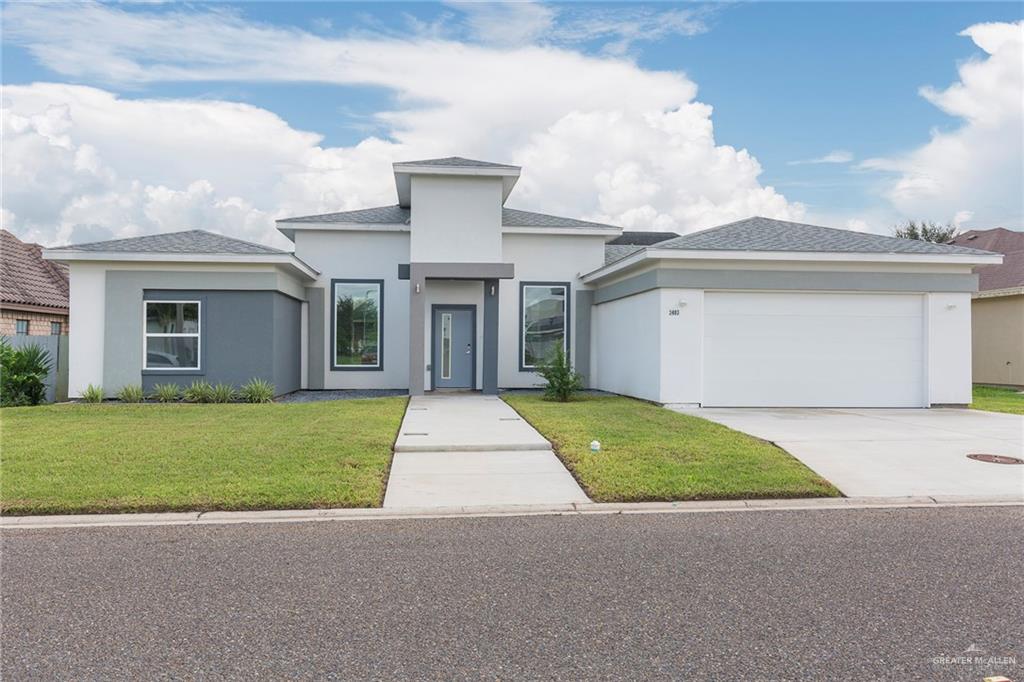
[(473, 450)]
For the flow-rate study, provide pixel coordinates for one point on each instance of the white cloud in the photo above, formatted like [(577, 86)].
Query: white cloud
[(598, 138), (834, 156), (974, 170), (507, 23)]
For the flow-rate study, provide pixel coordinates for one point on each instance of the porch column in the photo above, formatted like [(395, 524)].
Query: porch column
[(490, 375), (417, 322)]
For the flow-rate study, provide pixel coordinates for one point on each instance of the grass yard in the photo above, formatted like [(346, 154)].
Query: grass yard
[(115, 457), (998, 399), (649, 453)]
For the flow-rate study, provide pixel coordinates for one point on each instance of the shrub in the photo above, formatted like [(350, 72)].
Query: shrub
[(563, 380), (257, 391), (166, 393), (131, 394), (93, 394), (199, 392), (23, 373), (222, 393)]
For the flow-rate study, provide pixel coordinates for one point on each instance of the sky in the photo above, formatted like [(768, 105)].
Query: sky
[(128, 119)]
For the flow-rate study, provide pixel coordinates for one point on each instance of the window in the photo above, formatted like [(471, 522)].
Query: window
[(172, 335), (446, 345), (358, 312), (55, 329), (544, 309), (21, 327)]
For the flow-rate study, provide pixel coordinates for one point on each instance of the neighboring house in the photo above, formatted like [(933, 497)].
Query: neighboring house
[(451, 289), (997, 309), (33, 291)]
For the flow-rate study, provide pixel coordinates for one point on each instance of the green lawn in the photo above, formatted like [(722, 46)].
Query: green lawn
[(649, 453), (120, 458), (998, 399)]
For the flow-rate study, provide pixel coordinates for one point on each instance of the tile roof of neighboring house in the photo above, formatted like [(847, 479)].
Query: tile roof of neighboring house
[(1010, 273), (642, 238), (397, 215), (455, 162), (766, 234), (189, 241), (27, 279)]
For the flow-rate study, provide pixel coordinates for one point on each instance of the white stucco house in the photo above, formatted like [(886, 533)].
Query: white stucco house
[(451, 289)]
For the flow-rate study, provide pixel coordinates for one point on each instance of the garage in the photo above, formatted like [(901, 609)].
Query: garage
[(797, 349)]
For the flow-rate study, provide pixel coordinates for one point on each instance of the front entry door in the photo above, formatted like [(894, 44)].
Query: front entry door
[(454, 361)]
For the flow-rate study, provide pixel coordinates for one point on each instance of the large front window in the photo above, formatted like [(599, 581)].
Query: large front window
[(543, 326), (358, 307), (172, 335)]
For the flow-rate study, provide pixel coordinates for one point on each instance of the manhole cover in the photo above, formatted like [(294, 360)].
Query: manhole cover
[(995, 459)]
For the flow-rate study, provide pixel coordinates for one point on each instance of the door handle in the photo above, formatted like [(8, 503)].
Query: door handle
[(469, 349)]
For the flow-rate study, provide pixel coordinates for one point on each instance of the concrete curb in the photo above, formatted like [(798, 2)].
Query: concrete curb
[(580, 509)]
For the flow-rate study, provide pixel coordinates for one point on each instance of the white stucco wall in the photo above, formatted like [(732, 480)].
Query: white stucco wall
[(949, 348), (358, 255), (681, 329), (456, 219), (629, 345), (87, 319)]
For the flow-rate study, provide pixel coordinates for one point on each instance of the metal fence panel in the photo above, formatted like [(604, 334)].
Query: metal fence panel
[(57, 380)]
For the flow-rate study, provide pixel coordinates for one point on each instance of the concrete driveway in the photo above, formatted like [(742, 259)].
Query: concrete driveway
[(892, 453)]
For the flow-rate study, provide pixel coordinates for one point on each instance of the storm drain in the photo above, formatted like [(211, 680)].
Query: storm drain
[(995, 459)]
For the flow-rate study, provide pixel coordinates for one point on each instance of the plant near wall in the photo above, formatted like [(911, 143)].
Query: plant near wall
[(131, 394), (93, 394), (257, 391), (166, 393), (222, 393), (199, 392), (562, 380), (23, 373)]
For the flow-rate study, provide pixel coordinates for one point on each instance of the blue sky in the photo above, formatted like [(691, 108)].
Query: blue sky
[(788, 82)]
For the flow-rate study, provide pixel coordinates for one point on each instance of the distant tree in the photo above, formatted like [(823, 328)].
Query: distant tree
[(926, 231)]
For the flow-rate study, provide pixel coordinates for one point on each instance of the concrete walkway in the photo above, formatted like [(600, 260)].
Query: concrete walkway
[(890, 452), (472, 450)]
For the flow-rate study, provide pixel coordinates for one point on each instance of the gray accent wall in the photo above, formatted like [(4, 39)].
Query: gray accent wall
[(490, 378), (248, 328), (782, 280), (584, 302), (317, 351)]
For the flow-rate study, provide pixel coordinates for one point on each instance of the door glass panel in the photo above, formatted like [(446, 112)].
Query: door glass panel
[(446, 345)]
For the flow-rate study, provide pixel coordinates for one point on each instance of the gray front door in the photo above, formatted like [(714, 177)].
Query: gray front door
[(454, 361)]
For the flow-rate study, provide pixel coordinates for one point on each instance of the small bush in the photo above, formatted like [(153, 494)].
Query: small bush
[(257, 391), (92, 394), (131, 394), (23, 373), (166, 393), (563, 380), (222, 393), (199, 392)]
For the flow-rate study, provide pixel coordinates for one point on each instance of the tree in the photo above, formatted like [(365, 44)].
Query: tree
[(927, 231)]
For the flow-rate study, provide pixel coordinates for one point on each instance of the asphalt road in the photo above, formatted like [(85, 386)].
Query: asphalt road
[(806, 595)]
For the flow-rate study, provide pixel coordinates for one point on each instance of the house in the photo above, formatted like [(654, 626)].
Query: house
[(33, 291), (451, 289), (997, 308)]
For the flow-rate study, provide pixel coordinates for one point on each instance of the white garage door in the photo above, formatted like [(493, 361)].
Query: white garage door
[(813, 350)]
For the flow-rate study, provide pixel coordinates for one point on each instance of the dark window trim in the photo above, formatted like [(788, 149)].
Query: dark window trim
[(434, 308), (56, 328), (156, 296), (522, 328), (17, 324), (379, 367)]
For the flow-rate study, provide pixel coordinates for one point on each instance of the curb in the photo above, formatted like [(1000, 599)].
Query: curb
[(574, 509)]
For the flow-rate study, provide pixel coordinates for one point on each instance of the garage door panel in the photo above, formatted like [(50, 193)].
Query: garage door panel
[(797, 349)]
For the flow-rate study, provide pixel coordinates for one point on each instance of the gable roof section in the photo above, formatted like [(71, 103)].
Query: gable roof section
[(639, 238), (189, 241), (28, 280), (399, 215), (766, 234), (1010, 274), (455, 162)]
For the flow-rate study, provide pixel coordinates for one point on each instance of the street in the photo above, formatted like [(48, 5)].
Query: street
[(896, 594)]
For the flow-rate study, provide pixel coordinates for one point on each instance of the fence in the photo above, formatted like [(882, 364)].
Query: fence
[(57, 380)]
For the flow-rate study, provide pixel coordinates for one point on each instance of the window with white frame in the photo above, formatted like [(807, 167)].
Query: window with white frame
[(358, 316), (543, 325), (172, 335)]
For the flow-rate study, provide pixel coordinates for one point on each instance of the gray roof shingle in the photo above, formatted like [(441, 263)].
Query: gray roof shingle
[(766, 234), (189, 241), (456, 162), (396, 215), (640, 238), (613, 252)]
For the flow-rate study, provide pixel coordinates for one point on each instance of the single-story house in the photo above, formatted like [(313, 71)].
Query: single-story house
[(997, 308), (451, 289), (33, 291)]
